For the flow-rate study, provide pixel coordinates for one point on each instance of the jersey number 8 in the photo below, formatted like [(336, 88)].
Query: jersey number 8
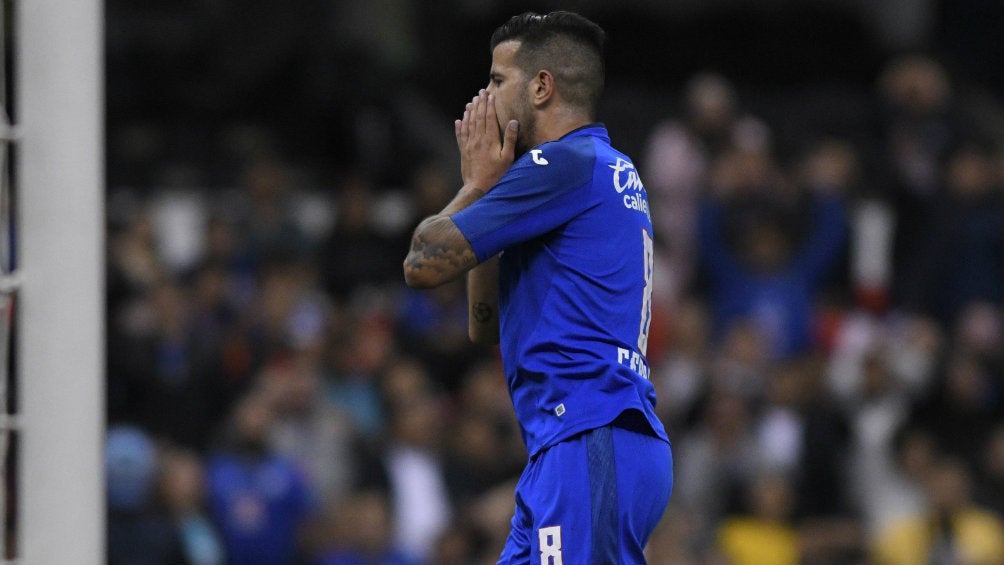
[(646, 301)]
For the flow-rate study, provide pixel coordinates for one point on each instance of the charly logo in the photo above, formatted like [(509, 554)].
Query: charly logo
[(625, 176), (537, 157)]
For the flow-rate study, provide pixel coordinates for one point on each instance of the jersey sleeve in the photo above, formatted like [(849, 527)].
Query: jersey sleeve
[(544, 189)]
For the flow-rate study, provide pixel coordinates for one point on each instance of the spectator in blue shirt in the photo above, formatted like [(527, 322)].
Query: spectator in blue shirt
[(767, 276), (260, 501)]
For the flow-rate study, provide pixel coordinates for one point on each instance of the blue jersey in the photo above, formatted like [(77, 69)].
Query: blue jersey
[(259, 506), (572, 223)]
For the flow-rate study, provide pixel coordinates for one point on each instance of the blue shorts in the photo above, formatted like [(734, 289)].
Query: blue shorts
[(593, 499)]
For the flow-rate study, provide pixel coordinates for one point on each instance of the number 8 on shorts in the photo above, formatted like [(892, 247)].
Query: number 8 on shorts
[(550, 545)]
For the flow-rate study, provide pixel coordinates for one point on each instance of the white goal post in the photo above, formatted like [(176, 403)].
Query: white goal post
[(59, 233)]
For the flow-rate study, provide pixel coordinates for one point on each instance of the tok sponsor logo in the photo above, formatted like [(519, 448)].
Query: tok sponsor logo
[(626, 179), (625, 176), (538, 157)]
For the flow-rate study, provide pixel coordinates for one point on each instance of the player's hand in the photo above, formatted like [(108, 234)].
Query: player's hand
[(485, 152)]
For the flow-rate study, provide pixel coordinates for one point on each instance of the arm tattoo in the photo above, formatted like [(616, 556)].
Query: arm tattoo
[(439, 246), (482, 312)]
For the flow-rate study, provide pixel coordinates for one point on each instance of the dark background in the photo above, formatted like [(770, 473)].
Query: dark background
[(328, 84)]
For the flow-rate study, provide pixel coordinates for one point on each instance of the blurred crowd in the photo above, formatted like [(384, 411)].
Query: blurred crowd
[(827, 346)]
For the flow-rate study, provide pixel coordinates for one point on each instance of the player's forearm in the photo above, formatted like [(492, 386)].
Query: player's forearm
[(439, 251), (466, 196), (483, 301)]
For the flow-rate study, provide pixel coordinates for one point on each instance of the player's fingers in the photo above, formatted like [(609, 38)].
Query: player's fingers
[(465, 123), (509, 140), (491, 117), (456, 129), (479, 113)]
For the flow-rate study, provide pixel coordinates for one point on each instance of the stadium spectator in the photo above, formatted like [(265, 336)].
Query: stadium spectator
[(355, 254), (267, 225), (678, 155), (989, 480), (432, 328), (963, 259), (717, 457), (741, 361), (683, 373), (800, 433), (308, 429), (764, 533), (360, 349), (407, 463), (952, 529), (260, 501), (166, 376), (412, 460), (139, 531), (182, 487), (459, 544), (963, 407), (361, 530), (875, 413), (918, 124), (484, 446), (672, 543), (757, 268)]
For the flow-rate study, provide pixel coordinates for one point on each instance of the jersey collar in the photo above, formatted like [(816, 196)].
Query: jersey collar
[(595, 129)]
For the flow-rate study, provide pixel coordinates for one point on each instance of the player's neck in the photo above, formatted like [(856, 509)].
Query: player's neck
[(558, 123)]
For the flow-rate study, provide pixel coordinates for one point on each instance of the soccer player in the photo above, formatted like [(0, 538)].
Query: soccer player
[(553, 225)]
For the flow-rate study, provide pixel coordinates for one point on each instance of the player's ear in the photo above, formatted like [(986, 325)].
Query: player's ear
[(542, 87)]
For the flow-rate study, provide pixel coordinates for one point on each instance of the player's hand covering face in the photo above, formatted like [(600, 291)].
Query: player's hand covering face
[(485, 152)]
